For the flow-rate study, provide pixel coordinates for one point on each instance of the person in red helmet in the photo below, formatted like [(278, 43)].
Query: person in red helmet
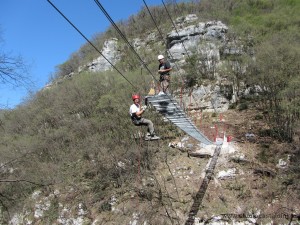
[(136, 111)]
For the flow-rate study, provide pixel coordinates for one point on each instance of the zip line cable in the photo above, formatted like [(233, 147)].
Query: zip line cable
[(122, 35), (91, 43), (94, 45)]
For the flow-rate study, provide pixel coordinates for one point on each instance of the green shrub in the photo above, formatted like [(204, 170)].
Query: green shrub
[(232, 106), (263, 156), (243, 106), (258, 117), (105, 206)]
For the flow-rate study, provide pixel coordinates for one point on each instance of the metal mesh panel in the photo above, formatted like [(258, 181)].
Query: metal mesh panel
[(170, 109)]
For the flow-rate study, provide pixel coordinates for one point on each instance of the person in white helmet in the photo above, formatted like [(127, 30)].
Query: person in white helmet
[(164, 69)]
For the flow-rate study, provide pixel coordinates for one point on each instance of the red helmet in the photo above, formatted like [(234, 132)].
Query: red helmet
[(135, 97)]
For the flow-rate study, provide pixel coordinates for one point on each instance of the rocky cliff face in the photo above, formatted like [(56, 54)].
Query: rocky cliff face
[(189, 38), (180, 42), (110, 51)]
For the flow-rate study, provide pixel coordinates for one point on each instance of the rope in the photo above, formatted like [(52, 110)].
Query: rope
[(139, 180)]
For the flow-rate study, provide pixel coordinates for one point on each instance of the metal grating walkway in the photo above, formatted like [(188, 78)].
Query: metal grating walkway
[(170, 109)]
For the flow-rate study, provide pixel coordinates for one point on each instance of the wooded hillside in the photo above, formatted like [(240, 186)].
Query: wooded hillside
[(76, 133)]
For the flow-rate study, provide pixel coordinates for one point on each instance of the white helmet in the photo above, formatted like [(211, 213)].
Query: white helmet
[(160, 57)]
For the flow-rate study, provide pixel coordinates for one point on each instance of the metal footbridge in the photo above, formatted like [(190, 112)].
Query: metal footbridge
[(170, 109)]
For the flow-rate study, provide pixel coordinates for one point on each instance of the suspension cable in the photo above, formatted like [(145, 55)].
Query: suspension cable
[(91, 43)]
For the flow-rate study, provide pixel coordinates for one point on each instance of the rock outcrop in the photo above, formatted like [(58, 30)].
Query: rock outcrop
[(111, 52), (187, 39)]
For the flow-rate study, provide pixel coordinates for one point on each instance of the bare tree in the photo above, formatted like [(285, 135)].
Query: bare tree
[(13, 69)]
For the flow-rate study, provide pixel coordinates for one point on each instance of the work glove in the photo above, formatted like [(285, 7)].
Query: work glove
[(144, 107)]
